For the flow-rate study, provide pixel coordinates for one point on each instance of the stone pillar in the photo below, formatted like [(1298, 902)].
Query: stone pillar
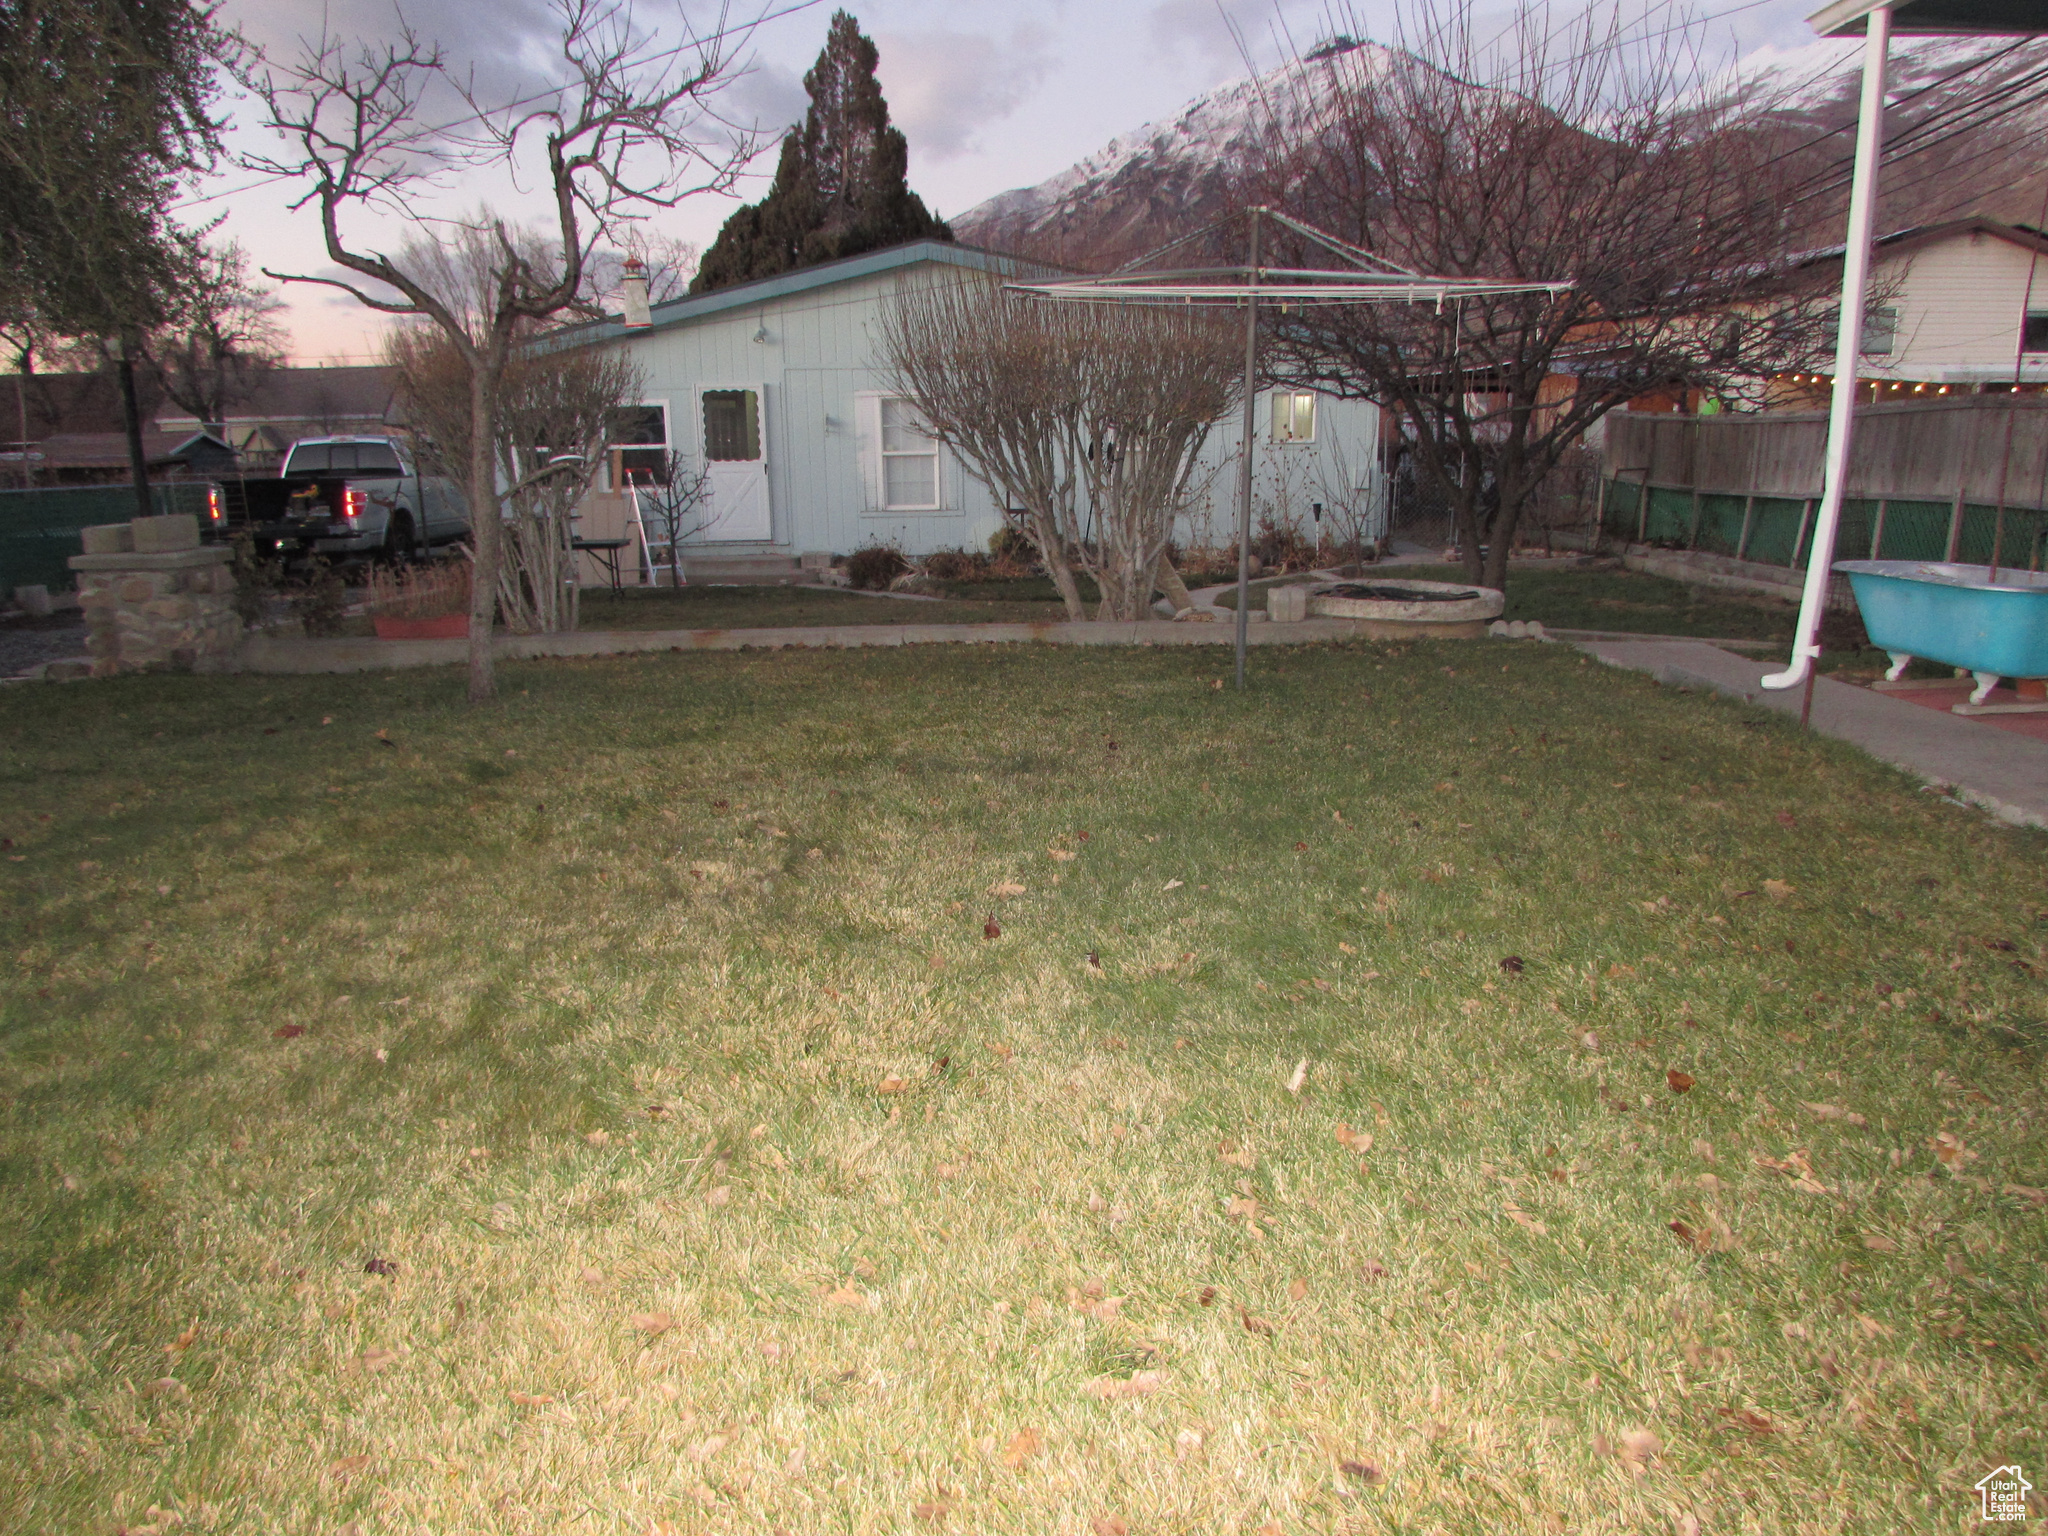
[(155, 598)]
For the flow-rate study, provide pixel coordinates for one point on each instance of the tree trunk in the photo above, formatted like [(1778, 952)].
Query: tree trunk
[(486, 533), (1046, 535), (131, 420), (1168, 581)]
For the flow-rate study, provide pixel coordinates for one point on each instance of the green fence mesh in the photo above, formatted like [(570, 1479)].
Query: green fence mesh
[(39, 528), (1774, 530), (1912, 530)]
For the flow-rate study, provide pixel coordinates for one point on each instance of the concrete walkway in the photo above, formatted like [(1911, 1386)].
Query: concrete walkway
[(2003, 772), (263, 654)]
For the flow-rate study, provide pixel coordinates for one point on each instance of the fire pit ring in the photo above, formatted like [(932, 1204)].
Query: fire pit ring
[(1402, 609)]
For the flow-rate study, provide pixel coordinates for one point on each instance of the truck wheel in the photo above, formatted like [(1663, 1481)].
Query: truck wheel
[(401, 544)]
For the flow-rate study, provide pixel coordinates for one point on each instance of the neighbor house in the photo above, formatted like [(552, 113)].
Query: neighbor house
[(1958, 308), (780, 390)]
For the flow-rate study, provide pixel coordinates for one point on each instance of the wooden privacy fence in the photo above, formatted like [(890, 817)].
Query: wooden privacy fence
[(1926, 482)]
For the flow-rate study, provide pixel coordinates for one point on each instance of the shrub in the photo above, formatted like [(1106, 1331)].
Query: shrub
[(955, 565), (873, 566), (420, 591), (1282, 546)]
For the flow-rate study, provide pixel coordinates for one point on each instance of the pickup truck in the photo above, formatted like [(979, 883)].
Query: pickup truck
[(339, 497)]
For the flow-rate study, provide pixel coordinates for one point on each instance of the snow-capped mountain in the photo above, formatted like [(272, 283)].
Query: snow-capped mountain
[(1167, 178), (1972, 108)]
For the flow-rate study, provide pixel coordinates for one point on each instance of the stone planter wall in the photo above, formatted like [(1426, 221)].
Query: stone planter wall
[(155, 599)]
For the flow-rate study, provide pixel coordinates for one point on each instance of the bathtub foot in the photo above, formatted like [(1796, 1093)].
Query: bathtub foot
[(1986, 681), (1897, 670)]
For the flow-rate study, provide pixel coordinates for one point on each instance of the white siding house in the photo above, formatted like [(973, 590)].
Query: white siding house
[(1956, 306), (780, 390)]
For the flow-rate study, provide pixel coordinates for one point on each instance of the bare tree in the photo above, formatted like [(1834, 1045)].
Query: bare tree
[(628, 126), (555, 407), (1547, 153), (220, 341), (675, 502), (1092, 420)]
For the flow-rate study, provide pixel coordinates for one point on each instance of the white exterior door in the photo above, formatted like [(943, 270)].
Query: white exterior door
[(732, 427)]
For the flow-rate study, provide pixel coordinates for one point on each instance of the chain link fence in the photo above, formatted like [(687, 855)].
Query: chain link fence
[(39, 528)]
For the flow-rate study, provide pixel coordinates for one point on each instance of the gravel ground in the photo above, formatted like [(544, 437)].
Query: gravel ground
[(29, 642)]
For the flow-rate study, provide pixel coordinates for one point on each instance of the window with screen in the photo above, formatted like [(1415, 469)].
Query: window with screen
[(910, 459), (1294, 416), (1880, 330), (2034, 334), (732, 425), (638, 446)]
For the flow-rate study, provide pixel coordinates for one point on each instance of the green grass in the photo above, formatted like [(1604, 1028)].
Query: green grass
[(1628, 602), (899, 1171)]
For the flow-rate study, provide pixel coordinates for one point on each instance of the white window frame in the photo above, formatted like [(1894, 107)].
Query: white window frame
[(874, 464), (1293, 399), (666, 445)]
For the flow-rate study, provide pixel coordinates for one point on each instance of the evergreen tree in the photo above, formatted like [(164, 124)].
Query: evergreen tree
[(840, 185)]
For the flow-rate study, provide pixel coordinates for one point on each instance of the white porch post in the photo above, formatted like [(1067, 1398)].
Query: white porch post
[(1848, 351)]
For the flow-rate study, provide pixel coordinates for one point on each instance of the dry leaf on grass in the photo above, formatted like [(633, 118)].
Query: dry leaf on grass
[(932, 1511), (1297, 1289), (1115, 1389), (722, 1195), (708, 1447), (1832, 1112), (289, 1031), (183, 1341), (533, 1399), (1022, 1447), (1173, 885), (1743, 1418), (168, 1386), (347, 1467), (598, 1138), (1254, 1324), (1680, 1082), (892, 1084), (1640, 1446), (653, 1324), (1362, 1469), (1878, 1243), (1522, 1218), (1003, 890), (991, 929), (378, 1358), (2028, 1193), (1354, 1141), (846, 1295), (1238, 1157), (1778, 890), (1300, 1078), (1373, 1269), (1242, 1207), (1062, 855), (1950, 1148), (1109, 1525)]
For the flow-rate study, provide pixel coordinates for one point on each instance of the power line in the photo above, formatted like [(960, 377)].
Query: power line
[(1835, 178)]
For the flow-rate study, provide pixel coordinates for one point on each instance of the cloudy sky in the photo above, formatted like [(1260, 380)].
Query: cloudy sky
[(991, 95)]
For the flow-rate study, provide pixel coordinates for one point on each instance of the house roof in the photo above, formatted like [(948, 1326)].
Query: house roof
[(825, 274), (109, 450), (2005, 18), (354, 393), (1918, 235)]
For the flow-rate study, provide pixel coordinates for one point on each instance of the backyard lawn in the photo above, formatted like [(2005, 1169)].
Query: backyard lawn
[(1450, 1088)]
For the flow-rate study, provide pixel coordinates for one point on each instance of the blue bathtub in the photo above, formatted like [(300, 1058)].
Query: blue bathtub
[(1955, 615)]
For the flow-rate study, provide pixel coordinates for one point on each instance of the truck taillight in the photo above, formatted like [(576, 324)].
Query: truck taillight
[(213, 512), (353, 503)]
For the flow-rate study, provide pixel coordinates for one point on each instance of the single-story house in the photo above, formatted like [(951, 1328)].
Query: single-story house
[(1957, 308), (286, 404), (780, 390)]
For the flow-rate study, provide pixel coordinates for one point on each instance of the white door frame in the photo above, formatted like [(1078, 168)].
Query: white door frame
[(736, 490)]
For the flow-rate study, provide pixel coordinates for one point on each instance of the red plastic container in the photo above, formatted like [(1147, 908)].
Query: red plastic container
[(450, 626)]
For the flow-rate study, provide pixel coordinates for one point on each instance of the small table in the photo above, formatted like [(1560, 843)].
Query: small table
[(605, 552)]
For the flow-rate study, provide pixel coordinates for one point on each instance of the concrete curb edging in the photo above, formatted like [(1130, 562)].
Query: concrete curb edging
[(263, 654), (1999, 771)]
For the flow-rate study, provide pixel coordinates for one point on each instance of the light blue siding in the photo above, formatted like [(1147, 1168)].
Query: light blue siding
[(811, 343)]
